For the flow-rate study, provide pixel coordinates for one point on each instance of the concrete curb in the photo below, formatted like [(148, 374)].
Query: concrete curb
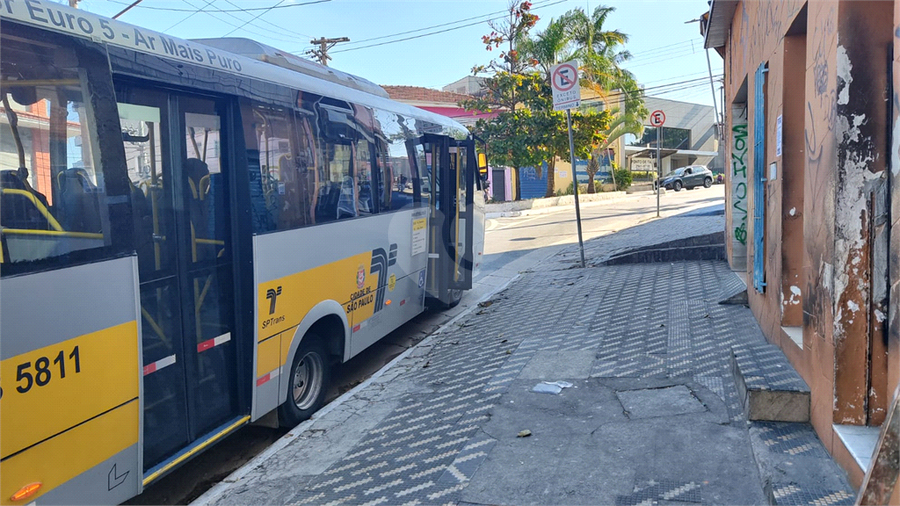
[(217, 490), (558, 206)]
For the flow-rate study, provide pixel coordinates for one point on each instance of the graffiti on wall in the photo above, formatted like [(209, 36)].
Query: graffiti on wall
[(739, 152)]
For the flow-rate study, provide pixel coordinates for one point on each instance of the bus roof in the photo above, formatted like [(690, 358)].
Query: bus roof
[(267, 63)]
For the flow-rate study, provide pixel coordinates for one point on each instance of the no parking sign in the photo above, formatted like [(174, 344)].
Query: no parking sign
[(564, 81)]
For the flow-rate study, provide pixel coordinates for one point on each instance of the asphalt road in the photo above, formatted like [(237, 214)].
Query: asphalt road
[(512, 245), (511, 238)]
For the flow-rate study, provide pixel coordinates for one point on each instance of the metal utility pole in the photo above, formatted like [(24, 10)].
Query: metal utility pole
[(324, 44)]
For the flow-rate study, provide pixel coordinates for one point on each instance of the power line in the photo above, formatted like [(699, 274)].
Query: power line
[(662, 54), (437, 32), (229, 23), (655, 50), (536, 5), (208, 2), (271, 26), (254, 18), (660, 59)]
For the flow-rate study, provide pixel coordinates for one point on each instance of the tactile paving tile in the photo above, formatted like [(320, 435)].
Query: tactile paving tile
[(763, 366), (789, 438), (791, 494), (650, 492)]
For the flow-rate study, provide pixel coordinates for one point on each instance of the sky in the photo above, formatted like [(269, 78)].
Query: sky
[(443, 37)]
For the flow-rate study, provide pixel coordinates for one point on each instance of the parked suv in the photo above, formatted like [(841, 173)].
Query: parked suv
[(687, 177)]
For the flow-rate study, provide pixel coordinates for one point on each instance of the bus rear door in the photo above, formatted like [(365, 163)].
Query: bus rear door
[(449, 186), (179, 167)]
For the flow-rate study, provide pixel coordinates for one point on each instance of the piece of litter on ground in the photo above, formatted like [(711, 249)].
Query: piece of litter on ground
[(547, 387), (524, 433)]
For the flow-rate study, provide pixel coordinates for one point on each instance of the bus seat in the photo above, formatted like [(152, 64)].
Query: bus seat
[(327, 204), (79, 203), (16, 210)]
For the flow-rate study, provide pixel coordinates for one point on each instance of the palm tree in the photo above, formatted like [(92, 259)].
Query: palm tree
[(601, 54), (546, 49)]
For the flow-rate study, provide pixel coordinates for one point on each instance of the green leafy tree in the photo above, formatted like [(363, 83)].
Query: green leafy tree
[(513, 134), (543, 51)]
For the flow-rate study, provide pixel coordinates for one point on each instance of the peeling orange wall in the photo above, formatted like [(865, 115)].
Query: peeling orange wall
[(757, 36), (844, 139)]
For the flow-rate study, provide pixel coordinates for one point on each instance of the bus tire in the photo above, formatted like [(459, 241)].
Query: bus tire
[(307, 383), (455, 297)]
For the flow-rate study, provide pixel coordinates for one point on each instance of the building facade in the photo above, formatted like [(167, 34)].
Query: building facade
[(811, 198), (689, 137)]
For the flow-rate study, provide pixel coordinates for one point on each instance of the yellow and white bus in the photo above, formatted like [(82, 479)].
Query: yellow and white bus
[(193, 233)]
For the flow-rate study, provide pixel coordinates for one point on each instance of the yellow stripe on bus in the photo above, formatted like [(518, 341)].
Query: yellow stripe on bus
[(346, 281), (61, 458), (51, 389)]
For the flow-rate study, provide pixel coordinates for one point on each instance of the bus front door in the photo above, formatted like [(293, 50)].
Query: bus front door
[(449, 188), (177, 164)]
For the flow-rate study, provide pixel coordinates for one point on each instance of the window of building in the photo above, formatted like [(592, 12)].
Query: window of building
[(672, 138)]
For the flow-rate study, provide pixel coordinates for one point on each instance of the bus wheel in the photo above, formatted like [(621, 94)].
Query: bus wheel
[(455, 297), (308, 382)]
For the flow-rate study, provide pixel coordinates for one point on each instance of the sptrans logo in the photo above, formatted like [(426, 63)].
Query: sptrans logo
[(272, 295)]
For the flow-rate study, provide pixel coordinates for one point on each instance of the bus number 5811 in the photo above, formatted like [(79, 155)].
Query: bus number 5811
[(43, 371)]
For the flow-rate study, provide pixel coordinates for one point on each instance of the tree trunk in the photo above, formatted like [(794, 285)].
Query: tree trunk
[(612, 170), (551, 177)]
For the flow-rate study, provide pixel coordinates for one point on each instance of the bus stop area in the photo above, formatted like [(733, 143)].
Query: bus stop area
[(614, 384)]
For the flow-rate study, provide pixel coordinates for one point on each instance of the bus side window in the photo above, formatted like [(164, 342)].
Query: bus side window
[(52, 198), (281, 163)]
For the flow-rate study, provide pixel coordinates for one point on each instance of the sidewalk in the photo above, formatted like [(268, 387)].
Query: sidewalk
[(553, 204), (652, 416)]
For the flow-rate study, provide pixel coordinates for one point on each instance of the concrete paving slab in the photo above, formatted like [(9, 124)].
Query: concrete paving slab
[(654, 402), (715, 456), (559, 365), (563, 471), (576, 410)]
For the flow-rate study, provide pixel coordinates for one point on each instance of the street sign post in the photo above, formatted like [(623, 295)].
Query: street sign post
[(567, 94), (657, 120)]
